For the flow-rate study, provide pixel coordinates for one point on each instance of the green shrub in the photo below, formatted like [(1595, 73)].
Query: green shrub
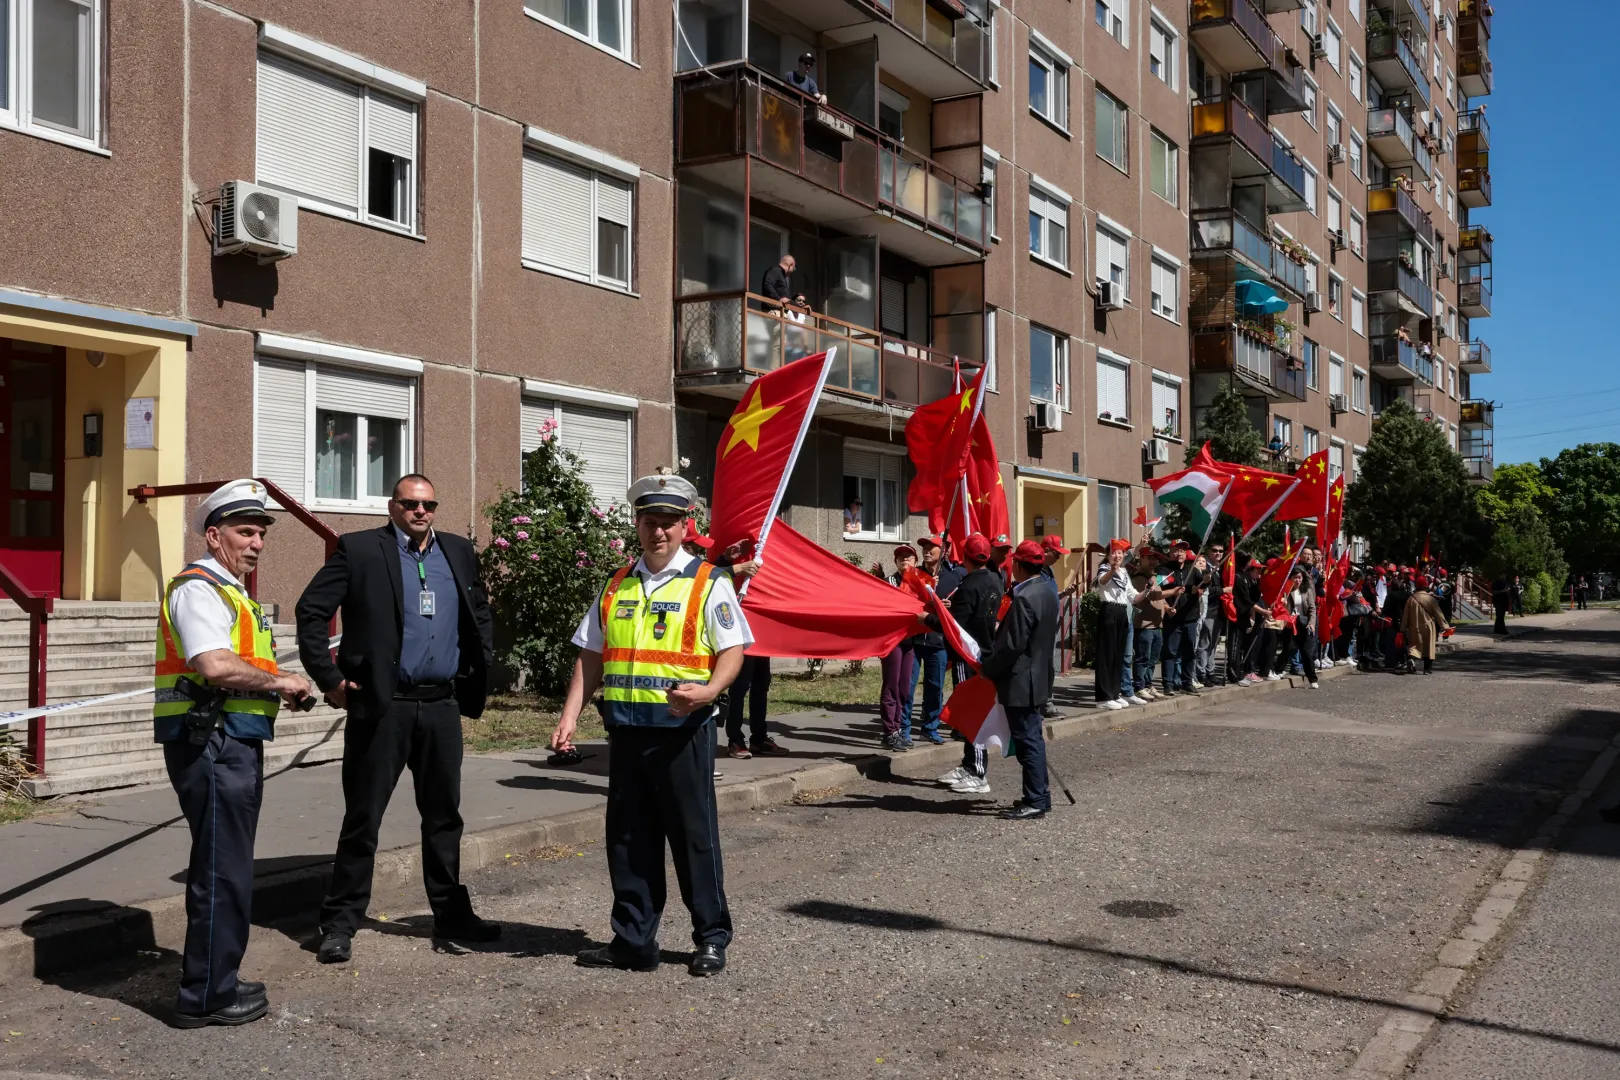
[(1552, 593), (1532, 596), (551, 549), (1090, 616)]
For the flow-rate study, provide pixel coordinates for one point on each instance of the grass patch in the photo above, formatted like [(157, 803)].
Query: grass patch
[(15, 805), (18, 808), (523, 722), (796, 691)]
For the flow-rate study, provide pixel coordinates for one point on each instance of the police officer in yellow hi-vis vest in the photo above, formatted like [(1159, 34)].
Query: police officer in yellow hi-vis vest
[(217, 694), (663, 640)]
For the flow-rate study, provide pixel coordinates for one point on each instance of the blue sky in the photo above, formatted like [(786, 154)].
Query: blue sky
[(1555, 171)]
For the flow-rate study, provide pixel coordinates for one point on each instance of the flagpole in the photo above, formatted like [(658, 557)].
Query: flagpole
[(793, 458)]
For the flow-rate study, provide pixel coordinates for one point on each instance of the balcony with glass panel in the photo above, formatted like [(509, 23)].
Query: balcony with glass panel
[(1475, 358), (1473, 132), (1474, 186), (1474, 75), (1396, 359), (1251, 354), (1393, 56), (1393, 211), (1394, 12), (1474, 290), (1225, 231), (1394, 284), (1391, 136), (1235, 35)]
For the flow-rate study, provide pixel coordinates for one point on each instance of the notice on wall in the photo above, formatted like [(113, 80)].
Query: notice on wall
[(139, 430)]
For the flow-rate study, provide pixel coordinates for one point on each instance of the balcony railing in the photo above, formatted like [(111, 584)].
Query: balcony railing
[(963, 42), (1473, 123), (1481, 470), (1474, 298), (744, 332), (1396, 64), (1476, 358), (1475, 11), (1474, 186), (1396, 199), (1474, 245), (1285, 166), (1474, 71), (1390, 134), (1230, 116), (743, 111), (1415, 10), (1289, 274), (1261, 47), (1256, 361), (1392, 275), (1222, 230), (1479, 412), (1285, 86), (1396, 359)]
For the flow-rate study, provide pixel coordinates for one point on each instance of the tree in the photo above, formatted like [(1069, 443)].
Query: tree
[(551, 550), (1514, 485), (1521, 543), (1583, 510), (1409, 484)]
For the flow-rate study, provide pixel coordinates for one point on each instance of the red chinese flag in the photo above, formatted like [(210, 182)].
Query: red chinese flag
[(1309, 497), (1228, 582), (1255, 494), (758, 448), (986, 494), (937, 438), (1331, 610), (1274, 582), (1327, 532)]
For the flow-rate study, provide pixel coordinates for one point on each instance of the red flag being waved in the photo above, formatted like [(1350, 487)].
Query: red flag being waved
[(1309, 497), (1274, 582), (1229, 582), (980, 502), (1253, 496), (938, 438), (1327, 531), (1330, 610)]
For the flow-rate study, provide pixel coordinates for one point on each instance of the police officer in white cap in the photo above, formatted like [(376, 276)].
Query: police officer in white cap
[(663, 640), (217, 694)]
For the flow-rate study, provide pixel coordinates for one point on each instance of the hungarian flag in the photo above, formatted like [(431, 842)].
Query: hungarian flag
[(959, 641), (1200, 489), (805, 601), (938, 438), (1255, 495), (1309, 497), (974, 711), (1327, 531)]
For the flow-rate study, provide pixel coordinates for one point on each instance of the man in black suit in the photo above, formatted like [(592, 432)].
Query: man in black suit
[(1020, 664), (417, 645)]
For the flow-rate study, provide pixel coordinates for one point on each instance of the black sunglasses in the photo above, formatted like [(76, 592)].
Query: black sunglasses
[(430, 505)]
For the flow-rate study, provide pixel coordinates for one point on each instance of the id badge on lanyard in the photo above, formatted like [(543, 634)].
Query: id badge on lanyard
[(424, 599)]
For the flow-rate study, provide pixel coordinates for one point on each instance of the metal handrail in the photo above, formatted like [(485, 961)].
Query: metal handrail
[(39, 607)]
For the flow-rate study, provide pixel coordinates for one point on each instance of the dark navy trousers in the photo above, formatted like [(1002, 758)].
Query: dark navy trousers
[(661, 790), (220, 786)]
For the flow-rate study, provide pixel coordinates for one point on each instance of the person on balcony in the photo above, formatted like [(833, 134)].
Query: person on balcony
[(852, 518), (803, 78)]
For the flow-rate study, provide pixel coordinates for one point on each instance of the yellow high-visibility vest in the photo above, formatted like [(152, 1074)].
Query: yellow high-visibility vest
[(651, 643), (248, 713)]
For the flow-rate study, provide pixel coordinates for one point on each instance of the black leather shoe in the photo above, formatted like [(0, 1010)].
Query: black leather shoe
[(603, 957), (335, 948), (247, 1008), (708, 960), (1024, 812), (471, 928), (246, 989)]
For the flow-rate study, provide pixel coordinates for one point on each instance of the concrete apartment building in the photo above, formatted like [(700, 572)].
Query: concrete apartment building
[(508, 211)]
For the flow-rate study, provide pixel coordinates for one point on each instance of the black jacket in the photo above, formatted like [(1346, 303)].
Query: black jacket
[(1020, 661), (974, 604), (1245, 595), (362, 581)]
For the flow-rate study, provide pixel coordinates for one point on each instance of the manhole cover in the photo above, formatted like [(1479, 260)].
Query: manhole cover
[(1141, 909)]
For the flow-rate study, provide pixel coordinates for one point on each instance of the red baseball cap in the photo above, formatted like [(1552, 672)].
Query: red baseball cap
[(1181, 544), (1116, 544), (1030, 552), (928, 541), (905, 549), (704, 542), (976, 549), (1054, 542), (1421, 581), (1002, 541)]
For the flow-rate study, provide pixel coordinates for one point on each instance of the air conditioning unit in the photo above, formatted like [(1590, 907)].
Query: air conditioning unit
[(1444, 270), (1047, 417), (1338, 238), (1444, 20), (1436, 130), (1440, 329), (1338, 403), (1313, 301), (1336, 153), (1318, 46), (1108, 296), (1157, 451), (256, 220)]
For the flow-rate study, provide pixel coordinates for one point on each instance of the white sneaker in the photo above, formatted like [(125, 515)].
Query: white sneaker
[(1148, 693), (1114, 705), (1197, 685), (971, 785), (955, 776), (1314, 686), (1123, 702), (1136, 699), (1273, 677)]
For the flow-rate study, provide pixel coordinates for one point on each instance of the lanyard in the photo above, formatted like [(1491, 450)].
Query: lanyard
[(421, 558)]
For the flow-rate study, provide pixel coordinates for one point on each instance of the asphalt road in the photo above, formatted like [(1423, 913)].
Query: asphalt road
[(1240, 892)]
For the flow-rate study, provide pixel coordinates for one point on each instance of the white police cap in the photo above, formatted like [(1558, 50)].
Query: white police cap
[(244, 499), (665, 494)]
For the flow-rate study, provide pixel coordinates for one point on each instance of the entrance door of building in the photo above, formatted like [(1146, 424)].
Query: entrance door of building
[(32, 453)]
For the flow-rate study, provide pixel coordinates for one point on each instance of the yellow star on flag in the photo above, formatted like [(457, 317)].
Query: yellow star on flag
[(745, 425), (1338, 491), (1270, 481), (967, 400)]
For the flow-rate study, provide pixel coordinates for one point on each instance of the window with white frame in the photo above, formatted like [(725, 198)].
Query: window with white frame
[(1355, 9), (1332, 42), (1312, 98), (1355, 78), (1113, 511), (603, 23), (1451, 203), (1048, 87), (988, 181), (1162, 167), (875, 476), (1335, 296), (576, 221), (1114, 258), (1310, 441), (1113, 387), (1451, 321), (1358, 311), (1435, 65), (990, 372), (601, 434), (1335, 374), (1358, 230), (1335, 460), (1308, 16), (1358, 390), (1355, 461), (332, 435), (994, 16), (1451, 380), (1451, 90), (1113, 127), (1166, 405), (50, 68), (1310, 356), (1162, 45), (1048, 225), (1357, 153), (1335, 125), (1310, 186), (1282, 432), (343, 147), (1335, 211), (1113, 16), (1048, 366), (1451, 435), (1164, 298)]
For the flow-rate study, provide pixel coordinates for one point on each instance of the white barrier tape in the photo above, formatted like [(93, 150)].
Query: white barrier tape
[(17, 719)]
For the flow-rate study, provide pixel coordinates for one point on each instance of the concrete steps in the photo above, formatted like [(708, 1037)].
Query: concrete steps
[(99, 648)]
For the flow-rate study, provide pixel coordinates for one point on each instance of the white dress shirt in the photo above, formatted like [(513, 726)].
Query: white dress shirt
[(1114, 585), (724, 622), (200, 616)]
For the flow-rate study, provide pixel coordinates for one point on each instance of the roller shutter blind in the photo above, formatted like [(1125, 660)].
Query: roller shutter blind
[(362, 393), (613, 200), (280, 440), (601, 437), (557, 214), (1112, 396), (391, 125), (309, 132), (1166, 401), (534, 413), (893, 309)]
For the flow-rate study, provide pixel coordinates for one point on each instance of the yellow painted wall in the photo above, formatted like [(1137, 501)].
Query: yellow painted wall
[(114, 548), (1062, 508)]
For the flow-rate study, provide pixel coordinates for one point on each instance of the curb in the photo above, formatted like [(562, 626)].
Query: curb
[(93, 937)]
